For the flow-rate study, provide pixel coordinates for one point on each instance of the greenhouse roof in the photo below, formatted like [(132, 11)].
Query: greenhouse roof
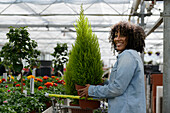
[(52, 21)]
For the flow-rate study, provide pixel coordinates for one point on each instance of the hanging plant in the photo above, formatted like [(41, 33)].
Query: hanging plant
[(149, 53), (157, 53)]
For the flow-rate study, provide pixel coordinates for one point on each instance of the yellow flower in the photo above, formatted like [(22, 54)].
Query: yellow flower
[(30, 76), (0, 81), (12, 77)]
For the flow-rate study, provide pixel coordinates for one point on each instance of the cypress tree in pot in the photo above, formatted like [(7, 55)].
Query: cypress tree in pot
[(84, 65)]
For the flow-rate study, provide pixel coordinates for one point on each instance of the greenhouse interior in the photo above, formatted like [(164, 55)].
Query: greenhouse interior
[(49, 46)]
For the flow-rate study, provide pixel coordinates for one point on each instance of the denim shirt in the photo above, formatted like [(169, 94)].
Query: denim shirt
[(125, 90)]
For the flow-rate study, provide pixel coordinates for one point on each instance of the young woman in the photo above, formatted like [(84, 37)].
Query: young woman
[(125, 89)]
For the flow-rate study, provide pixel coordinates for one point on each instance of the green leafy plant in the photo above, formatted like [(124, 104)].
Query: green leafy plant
[(19, 48), (60, 56), (13, 101), (85, 64), (16, 102)]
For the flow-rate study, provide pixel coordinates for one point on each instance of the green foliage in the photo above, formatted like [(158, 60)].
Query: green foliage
[(20, 47), (84, 65), (17, 102), (13, 101), (60, 55)]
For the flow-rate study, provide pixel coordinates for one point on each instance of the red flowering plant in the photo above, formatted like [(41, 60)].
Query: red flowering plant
[(38, 82), (45, 77), (57, 79), (48, 84), (61, 82), (40, 88), (52, 79), (3, 80), (55, 84), (17, 85), (24, 80), (15, 82)]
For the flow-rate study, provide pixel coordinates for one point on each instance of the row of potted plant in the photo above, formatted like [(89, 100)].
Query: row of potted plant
[(13, 101), (150, 53)]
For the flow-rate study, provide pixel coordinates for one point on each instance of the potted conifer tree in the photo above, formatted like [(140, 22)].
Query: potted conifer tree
[(19, 48), (84, 65)]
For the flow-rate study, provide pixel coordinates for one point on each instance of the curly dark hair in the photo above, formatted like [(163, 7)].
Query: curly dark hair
[(134, 33)]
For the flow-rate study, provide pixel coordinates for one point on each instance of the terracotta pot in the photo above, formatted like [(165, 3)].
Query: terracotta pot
[(74, 110), (87, 104), (34, 111), (48, 104)]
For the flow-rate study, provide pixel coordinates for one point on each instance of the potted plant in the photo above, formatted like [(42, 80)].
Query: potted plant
[(157, 53), (60, 57), (149, 53), (19, 48), (84, 65)]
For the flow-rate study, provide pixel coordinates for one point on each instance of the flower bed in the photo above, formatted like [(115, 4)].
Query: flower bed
[(13, 101)]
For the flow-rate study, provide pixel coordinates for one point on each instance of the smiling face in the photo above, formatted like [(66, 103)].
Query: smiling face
[(120, 42)]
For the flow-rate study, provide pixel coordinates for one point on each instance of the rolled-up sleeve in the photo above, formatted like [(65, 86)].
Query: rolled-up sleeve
[(126, 66)]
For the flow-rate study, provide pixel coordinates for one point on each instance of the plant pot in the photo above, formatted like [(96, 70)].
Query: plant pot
[(157, 53), (34, 111), (48, 104), (76, 110), (87, 104)]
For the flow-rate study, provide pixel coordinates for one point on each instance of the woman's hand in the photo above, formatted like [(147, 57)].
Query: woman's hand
[(84, 91)]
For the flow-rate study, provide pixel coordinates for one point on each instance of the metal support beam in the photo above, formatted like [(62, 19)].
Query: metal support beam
[(142, 12), (142, 24), (112, 7), (66, 14), (134, 8), (166, 59), (50, 25), (156, 25), (30, 8), (3, 26)]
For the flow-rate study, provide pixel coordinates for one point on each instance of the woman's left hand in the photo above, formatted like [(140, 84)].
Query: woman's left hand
[(84, 91)]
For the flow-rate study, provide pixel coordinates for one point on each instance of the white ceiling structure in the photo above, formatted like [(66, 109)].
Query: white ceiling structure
[(51, 21)]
